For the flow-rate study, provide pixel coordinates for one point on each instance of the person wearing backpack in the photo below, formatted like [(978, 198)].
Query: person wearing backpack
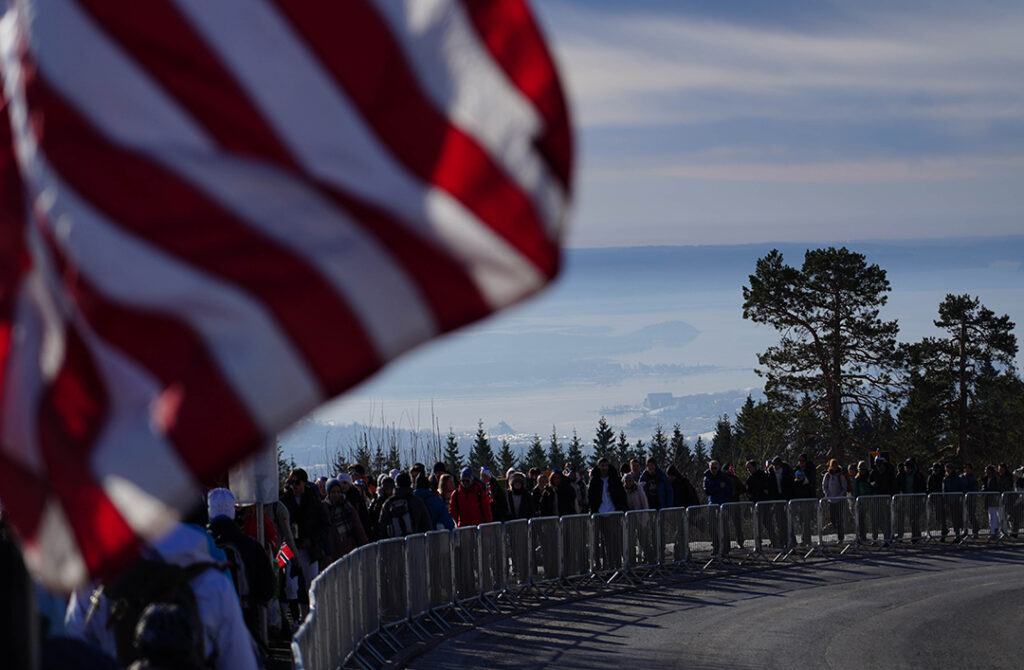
[(469, 504), (250, 567), (178, 570), (440, 519), (403, 513)]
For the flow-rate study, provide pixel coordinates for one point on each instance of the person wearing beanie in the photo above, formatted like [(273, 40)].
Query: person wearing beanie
[(683, 492), (254, 579), (440, 519), (346, 528), (403, 513), (469, 504), (435, 479)]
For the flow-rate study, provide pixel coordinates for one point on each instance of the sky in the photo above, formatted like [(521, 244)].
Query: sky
[(737, 122)]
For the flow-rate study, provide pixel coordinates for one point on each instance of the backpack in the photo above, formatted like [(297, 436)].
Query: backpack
[(239, 576), (396, 517), (146, 582)]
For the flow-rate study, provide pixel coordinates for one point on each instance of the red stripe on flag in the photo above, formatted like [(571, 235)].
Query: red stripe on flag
[(516, 43), (157, 205), (233, 121), (163, 42), (208, 425), (70, 416), (24, 495), (355, 45)]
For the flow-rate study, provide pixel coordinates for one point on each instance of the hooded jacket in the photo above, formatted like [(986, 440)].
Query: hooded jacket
[(470, 506), (658, 484)]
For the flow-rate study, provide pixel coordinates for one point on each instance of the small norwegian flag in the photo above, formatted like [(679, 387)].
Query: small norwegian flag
[(284, 556)]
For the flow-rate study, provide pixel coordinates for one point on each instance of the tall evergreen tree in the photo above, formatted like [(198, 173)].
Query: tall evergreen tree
[(659, 447), (721, 441), (679, 449), (379, 462), (394, 456), (766, 433), (575, 455), (363, 455), (506, 457), (623, 449), (556, 455), (639, 452), (833, 347), (700, 454), (481, 455), (284, 466), (604, 438), (535, 456), (977, 346), (452, 456)]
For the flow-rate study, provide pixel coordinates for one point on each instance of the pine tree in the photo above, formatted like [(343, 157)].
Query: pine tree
[(556, 455), (721, 442), (659, 447), (535, 456), (575, 455), (394, 453), (700, 453), (680, 450), (604, 438), (363, 455), (452, 457), (639, 452), (623, 449), (481, 455), (284, 465), (506, 457), (379, 462)]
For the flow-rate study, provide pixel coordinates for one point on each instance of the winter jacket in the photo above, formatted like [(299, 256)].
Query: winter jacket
[(934, 483), (635, 497), (439, 517), (558, 500), (802, 489), (595, 491), (683, 493), (259, 575), (916, 486), (954, 484), (785, 492), (883, 482), (833, 484), (758, 486), (520, 504), (499, 502), (418, 513), (718, 488), (309, 516), (862, 487), (346, 530), (657, 488), (470, 507)]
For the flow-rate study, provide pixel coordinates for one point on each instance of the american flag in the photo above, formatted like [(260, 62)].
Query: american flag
[(217, 215)]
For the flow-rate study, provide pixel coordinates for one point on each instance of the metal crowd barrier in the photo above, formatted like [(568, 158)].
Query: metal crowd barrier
[(380, 596)]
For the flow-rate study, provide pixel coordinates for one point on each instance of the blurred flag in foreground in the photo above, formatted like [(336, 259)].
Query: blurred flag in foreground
[(215, 216)]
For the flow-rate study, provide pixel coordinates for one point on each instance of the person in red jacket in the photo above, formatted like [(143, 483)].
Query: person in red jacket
[(469, 504)]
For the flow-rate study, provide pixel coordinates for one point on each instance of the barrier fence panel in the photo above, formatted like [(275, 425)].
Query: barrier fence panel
[(517, 555), (364, 581), (641, 548), (492, 560), (976, 518), (909, 516), (874, 519), (417, 570), (736, 521), (702, 533), (772, 528), (577, 548), (804, 529), (945, 516), (1013, 510), (466, 558), (838, 525), (608, 547), (546, 551), (392, 584), (672, 537), (440, 578)]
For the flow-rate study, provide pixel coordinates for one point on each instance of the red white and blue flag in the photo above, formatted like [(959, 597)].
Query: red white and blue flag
[(284, 556), (215, 216)]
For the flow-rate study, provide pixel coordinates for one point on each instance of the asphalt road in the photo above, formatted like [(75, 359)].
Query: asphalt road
[(961, 609)]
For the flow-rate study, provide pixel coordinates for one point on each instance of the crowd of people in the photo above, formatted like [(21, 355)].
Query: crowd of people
[(234, 578)]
